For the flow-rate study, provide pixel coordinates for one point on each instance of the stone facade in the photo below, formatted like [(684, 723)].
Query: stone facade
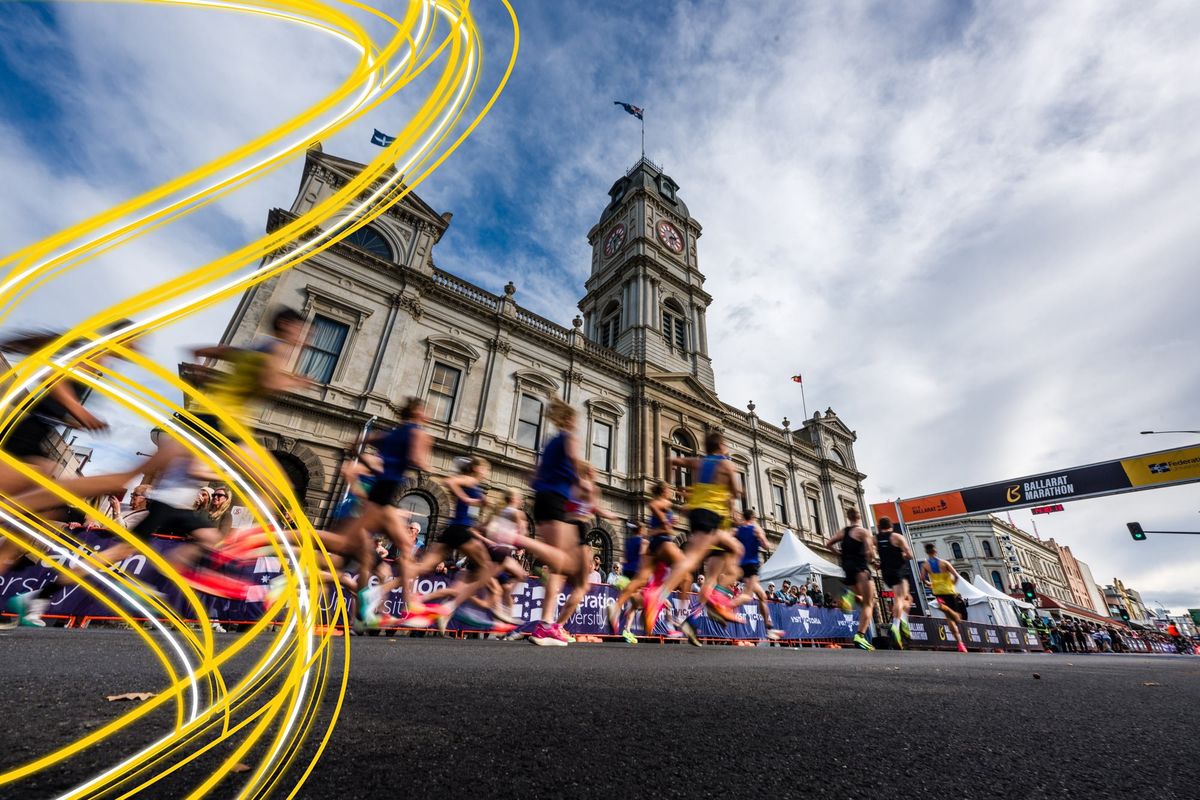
[(1002, 553), (1077, 583), (388, 323)]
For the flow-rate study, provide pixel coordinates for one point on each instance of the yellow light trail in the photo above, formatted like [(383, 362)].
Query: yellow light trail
[(263, 715)]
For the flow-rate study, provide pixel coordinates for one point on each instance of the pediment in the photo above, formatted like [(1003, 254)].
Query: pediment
[(346, 170), (686, 384)]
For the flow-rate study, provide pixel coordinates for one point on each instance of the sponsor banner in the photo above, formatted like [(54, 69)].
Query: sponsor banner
[(1152, 470), (591, 618), (1159, 469)]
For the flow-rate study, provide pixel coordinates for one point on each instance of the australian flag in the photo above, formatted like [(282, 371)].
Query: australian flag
[(382, 139), (637, 112)]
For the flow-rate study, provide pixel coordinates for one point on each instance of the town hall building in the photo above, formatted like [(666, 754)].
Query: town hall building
[(387, 323)]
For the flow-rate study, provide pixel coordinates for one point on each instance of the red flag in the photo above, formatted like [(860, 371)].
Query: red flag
[(796, 379)]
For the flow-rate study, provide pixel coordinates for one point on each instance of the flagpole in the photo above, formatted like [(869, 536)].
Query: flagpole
[(642, 119), (802, 400)]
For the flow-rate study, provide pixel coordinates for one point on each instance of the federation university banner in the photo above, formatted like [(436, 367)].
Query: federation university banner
[(798, 623)]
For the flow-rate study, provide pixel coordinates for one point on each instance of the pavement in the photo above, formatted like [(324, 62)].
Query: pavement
[(445, 719)]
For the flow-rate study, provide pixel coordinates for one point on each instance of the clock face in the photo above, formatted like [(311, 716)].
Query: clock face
[(670, 236), (612, 242)]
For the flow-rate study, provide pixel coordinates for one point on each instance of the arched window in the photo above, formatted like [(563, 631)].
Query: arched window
[(837, 457), (966, 576), (674, 325), (296, 472), (601, 545), (682, 446), (987, 549), (996, 580), (610, 325), (371, 241), (421, 510), (957, 549)]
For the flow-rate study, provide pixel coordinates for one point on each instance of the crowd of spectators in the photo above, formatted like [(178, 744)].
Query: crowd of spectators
[(1078, 636)]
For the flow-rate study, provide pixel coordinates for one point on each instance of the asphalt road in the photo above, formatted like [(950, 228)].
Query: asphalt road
[(443, 719)]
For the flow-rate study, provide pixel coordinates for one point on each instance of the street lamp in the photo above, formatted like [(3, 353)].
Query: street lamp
[(1149, 433)]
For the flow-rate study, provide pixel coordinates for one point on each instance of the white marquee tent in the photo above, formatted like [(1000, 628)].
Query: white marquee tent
[(1001, 600), (794, 561)]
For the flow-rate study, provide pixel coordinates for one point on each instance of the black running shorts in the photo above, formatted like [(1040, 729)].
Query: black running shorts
[(750, 570), (657, 541), (455, 536), (701, 520), (30, 438), (894, 577), (549, 507), (954, 602), (582, 527), (853, 571), (171, 521), (383, 492)]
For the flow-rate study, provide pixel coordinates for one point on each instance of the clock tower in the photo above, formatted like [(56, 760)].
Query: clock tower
[(645, 297)]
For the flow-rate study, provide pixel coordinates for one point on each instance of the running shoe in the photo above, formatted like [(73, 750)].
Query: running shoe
[(628, 636), (424, 619), (653, 602), (614, 620), (904, 629), (897, 637), (28, 610), (215, 583), (563, 634), (862, 643), (846, 603), (689, 630), (774, 634), (962, 648), (544, 636), (503, 616), (366, 609), (675, 634)]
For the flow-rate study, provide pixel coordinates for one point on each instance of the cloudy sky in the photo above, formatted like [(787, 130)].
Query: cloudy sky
[(971, 227)]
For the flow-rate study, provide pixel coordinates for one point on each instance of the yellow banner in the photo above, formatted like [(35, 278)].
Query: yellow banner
[(1173, 466)]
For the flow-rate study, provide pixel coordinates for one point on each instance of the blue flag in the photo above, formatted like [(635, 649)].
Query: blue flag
[(382, 139), (637, 112)]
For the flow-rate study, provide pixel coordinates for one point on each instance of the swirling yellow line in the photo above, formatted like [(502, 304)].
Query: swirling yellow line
[(266, 713)]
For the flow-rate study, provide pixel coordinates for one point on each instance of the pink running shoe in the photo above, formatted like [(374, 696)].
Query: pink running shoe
[(215, 583), (962, 648), (545, 636)]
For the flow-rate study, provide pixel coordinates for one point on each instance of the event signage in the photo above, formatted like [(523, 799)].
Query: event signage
[(1047, 509), (1148, 471), (798, 623)]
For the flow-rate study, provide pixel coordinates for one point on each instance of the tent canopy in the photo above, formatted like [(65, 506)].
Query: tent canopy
[(793, 560), (992, 591)]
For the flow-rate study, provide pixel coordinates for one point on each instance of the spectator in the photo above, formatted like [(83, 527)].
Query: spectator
[(220, 510), (772, 595), (595, 576), (203, 500), (803, 599), (137, 507)]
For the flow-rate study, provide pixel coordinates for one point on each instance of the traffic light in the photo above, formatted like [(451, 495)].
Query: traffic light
[(1124, 613), (1135, 530), (1030, 592)]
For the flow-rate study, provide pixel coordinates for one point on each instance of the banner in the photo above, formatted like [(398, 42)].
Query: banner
[(1148, 471), (798, 623)]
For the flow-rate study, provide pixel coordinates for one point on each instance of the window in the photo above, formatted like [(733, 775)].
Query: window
[(529, 422), (320, 354), (443, 392), (602, 446), (814, 510), (956, 548), (996, 581), (682, 446), (673, 326), (610, 325), (371, 241), (837, 457), (779, 503), (744, 483), (966, 576), (420, 511), (987, 549)]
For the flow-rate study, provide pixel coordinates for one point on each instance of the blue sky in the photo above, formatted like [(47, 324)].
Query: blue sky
[(972, 224)]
